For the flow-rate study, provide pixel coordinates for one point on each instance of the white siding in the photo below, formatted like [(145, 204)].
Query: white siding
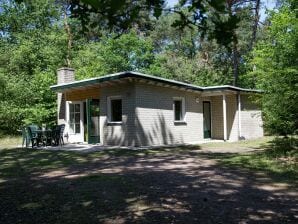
[(155, 117)]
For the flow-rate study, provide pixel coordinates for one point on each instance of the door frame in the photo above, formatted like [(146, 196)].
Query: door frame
[(81, 138), (210, 106), (89, 141)]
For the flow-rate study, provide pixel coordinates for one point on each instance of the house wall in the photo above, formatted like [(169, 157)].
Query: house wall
[(216, 117), (61, 108), (155, 116), (148, 116), (251, 119), (217, 130), (118, 134), (232, 117)]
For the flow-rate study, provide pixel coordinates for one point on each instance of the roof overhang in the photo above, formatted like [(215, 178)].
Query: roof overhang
[(154, 79)]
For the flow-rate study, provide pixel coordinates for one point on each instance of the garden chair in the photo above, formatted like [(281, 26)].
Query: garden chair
[(32, 134), (62, 127), (58, 134), (25, 137)]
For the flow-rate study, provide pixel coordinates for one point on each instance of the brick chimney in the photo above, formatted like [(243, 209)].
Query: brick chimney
[(64, 75)]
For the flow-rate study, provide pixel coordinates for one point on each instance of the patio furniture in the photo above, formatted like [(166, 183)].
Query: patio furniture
[(48, 137), (57, 134), (25, 136), (32, 131), (44, 136)]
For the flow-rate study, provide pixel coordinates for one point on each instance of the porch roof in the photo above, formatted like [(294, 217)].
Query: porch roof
[(130, 74)]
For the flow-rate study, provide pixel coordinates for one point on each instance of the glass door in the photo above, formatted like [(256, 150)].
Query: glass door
[(207, 119), (93, 118), (75, 121)]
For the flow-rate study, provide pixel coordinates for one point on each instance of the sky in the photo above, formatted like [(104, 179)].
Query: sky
[(266, 4)]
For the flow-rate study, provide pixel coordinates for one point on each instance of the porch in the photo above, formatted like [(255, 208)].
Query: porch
[(85, 147), (82, 114)]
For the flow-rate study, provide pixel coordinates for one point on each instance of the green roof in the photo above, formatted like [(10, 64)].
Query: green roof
[(130, 74)]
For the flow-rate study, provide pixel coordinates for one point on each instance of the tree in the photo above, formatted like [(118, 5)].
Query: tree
[(32, 46), (209, 17), (191, 70), (186, 56), (275, 70), (128, 52)]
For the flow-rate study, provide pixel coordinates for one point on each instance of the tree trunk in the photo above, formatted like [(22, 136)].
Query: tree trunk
[(255, 24), (69, 36), (235, 54)]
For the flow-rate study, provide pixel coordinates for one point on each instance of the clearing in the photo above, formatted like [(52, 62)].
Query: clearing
[(196, 184)]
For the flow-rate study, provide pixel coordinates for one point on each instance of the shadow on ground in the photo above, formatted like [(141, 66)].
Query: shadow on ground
[(123, 186)]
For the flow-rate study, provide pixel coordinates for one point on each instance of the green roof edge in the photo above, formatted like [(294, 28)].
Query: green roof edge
[(131, 74)]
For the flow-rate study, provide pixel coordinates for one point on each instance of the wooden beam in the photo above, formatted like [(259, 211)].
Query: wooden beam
[(218, 93), (151, 82), (110, 83), (130, 79), (120, 81)]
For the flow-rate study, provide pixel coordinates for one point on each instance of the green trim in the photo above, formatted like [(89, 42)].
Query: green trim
[(207, 133), (91, 139), (121, 75)]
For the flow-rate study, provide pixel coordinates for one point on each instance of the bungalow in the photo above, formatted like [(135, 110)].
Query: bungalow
[(134, 109)]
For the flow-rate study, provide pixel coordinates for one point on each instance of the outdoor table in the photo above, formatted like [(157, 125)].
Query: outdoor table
[(44, 136)]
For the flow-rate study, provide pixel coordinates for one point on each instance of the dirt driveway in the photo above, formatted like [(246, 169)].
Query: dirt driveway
[(168, 186)]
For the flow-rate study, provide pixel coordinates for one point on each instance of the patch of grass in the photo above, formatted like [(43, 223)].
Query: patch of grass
[(253, 143), (9, 141), (279, 158), (43, 186)]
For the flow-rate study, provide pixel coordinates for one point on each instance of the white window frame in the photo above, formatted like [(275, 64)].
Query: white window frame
[(182, 99), (109, 109), (81, 134)]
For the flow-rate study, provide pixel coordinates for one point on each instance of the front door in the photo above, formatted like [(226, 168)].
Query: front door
[(207, 119), (75, 121), (93, 118)]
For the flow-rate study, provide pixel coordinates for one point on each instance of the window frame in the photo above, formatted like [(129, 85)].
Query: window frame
[(73, 121), (109, 109), (67, 120), (183, 117)]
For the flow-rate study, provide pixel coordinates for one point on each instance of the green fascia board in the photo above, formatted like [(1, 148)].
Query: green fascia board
[(130, 74), (122, 75), (232, 88)]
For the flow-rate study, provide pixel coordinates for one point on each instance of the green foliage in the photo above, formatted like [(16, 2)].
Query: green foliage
[(35, 42), (192, 70), (209, 17), (26, 102), (275, 70), (278, 158), (32, 46), (129, 52)]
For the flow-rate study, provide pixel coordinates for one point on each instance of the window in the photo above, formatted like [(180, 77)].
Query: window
[(179, 109), (74, 118), (115, 109)]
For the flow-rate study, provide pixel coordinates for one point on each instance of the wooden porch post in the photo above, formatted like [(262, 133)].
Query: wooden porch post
[(239, 116), (224, 106)]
